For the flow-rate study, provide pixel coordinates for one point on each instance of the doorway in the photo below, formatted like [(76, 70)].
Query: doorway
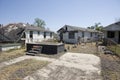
[(119, 37), (31, 34)]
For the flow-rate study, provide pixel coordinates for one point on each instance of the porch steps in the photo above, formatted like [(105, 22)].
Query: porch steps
[(35, 50)]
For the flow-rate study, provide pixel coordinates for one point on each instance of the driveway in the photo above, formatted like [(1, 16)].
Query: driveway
[(71, 66)]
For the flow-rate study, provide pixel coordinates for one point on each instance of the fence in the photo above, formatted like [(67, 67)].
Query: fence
[(113, 46)]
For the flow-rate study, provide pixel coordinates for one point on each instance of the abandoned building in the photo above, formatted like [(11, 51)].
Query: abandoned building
[(112, 32), (36, 34), (71, 34)]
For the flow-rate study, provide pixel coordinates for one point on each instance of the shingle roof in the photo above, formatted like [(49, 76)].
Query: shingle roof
[(74, 28), (35, 28), (113, 27)]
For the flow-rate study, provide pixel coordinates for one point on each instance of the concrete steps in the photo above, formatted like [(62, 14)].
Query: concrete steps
[(35, 50)]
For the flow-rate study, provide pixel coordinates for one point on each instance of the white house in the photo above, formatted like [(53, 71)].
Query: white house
[(112, 31), (34, 34), (73, 34)]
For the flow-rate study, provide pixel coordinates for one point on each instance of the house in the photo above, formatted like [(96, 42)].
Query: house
[(72, 34), (23, 33), (112, 31), (11, 32), (34, 34)]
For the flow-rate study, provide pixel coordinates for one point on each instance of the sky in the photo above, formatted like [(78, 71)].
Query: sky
[(57, 13)]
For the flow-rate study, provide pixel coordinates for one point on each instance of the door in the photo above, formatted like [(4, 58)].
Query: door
[(119, 37), (31, 36)]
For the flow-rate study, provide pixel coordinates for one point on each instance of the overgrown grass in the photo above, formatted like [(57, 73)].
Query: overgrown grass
[(110, 75), (21, 69), (115, 49), (14, 53)]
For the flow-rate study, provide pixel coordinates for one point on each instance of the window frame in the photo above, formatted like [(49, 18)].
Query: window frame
[(91, 34), (31, 34), (44, 34), (71, 35), (83, 33), (111, 34), (51, 34), (38, 32)]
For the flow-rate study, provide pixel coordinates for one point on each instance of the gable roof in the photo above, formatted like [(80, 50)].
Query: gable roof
[(74, 28), (113, 27)]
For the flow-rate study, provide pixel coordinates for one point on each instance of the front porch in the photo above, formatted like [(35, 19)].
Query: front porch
[(113, 35)]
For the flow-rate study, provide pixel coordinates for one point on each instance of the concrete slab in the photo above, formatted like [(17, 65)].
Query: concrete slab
[(71, 66)]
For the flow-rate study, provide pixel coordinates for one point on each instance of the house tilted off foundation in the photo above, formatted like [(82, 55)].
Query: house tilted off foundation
[(73, 34)]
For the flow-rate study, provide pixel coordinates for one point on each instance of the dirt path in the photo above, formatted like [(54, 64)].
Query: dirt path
[(71, 66)]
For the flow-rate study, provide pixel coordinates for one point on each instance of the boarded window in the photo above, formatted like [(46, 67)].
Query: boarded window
[(110, 34), (82, 34), (71, 35), (31, 34)]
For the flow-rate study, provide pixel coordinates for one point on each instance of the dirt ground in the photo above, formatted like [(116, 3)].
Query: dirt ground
[(82, 48), (110, 64)]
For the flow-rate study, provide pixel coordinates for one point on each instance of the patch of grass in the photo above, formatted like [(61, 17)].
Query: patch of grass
[(114, 48), (21, 69), (4, 56), (110, 75), (88, 48)]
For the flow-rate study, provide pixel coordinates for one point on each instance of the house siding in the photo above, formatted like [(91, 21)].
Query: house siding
[(78, 34), (87, 37), (115, 38), (66, 38), (37, 37)]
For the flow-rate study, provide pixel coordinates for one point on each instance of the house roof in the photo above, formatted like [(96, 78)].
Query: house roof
[(13, 31), (4, 38), (74, 28), (35, 28), (113, 27)]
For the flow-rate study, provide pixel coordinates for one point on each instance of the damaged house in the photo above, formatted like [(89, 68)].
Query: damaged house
[(112, 32), (20, 32), (72, 34)]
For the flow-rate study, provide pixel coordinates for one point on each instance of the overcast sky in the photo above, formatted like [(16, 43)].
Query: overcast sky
[(57, 13)]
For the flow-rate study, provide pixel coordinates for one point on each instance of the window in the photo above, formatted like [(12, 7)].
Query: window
[(38, 33), (95, 34), (50, 34), (31, 34), (44, 34), (71, 35), (91, 34), (110, 34), (82, 34), (66, 28)]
